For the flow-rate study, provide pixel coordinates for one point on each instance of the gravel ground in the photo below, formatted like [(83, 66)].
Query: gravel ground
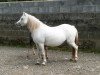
[(13, 61)]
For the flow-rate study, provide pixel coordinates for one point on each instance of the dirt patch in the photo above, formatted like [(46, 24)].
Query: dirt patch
[(13, 61)]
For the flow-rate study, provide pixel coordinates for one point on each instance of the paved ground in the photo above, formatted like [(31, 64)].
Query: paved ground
[(13, 61)]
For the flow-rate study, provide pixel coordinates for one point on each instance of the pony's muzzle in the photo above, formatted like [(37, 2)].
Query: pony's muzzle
[(18, 24)]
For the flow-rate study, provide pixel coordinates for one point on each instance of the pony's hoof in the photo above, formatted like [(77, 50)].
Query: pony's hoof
[(37, 64), (47, 58), (70, 59), (73, 60), (44, 64)]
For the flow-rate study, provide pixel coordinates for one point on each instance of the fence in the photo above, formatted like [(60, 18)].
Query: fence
[(84, 15)]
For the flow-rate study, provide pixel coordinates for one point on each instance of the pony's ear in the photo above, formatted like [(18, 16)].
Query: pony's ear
[(24, 13)]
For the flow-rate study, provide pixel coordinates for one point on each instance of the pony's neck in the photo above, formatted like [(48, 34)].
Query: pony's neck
[(33, 23)]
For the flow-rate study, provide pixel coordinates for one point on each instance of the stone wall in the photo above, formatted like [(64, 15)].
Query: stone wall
[(68, 6), (85, 15)]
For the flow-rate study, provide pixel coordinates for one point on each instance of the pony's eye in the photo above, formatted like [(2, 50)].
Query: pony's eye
[(21, 18)]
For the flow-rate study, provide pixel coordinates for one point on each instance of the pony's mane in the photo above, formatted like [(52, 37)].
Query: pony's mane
[(33, 23)]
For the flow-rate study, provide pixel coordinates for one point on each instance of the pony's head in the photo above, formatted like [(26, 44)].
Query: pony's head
[(23, 20)]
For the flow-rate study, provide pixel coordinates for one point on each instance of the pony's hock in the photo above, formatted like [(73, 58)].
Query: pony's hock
[(44, 35)]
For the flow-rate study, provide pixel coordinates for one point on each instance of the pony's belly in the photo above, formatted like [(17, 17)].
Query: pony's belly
[(54, 41)]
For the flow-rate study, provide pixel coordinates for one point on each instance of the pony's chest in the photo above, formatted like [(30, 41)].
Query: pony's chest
[(38, 36)]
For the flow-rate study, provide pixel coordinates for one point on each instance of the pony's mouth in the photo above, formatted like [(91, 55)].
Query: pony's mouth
[(18, 25)]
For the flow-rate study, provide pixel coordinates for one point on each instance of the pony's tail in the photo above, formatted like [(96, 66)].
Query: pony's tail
[(77, 39)]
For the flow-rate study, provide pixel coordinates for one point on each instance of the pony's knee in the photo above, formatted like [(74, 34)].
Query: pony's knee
[(76, 47), (73, 45)]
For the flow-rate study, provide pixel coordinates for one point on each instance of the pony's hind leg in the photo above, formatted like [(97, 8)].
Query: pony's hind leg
[(33, 51), (74, 52), (46, 48)]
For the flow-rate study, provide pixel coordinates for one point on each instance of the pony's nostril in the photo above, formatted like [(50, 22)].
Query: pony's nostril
[(15, 23)]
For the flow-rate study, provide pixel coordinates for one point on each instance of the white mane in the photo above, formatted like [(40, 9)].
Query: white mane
[(33, 23)]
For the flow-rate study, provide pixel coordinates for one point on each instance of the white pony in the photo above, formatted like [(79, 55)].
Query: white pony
[(44, 35)]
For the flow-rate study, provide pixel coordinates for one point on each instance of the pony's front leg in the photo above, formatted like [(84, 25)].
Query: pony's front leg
[(43, 54), (39, 55), (33, 51)]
